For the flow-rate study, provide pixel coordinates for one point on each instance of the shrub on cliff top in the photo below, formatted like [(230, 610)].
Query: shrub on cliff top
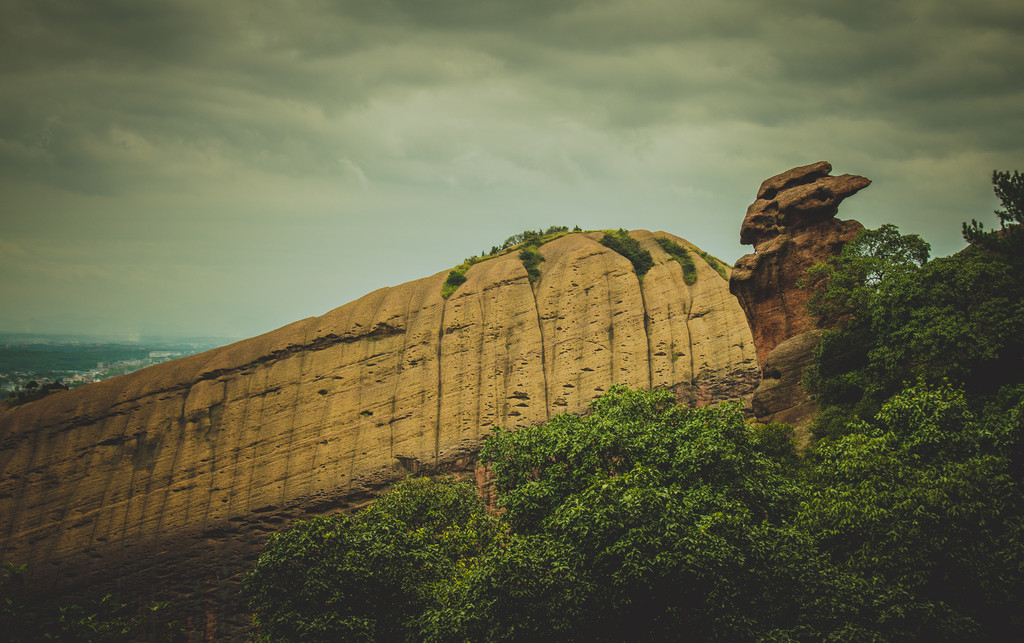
[(682, 257), (531, 260), (530, 240), (714, 262), (456, 278), (629, 248)]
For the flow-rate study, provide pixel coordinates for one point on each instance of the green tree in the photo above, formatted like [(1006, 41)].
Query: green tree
[(647, 520), (851, 279), (641, 520), (367, 577), (1008, 241), (922, 505), (901, 318), (23, 618), (920, 501)]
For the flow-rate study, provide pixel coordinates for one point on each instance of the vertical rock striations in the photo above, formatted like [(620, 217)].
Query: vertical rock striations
[(792, 226), (165, 482)]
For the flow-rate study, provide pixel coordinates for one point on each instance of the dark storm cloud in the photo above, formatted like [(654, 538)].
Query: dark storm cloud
[(238, 76), (323, 124)]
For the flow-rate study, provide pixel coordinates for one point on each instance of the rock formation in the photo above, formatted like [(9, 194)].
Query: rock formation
[(792, 226), (166, 482), (779, 397)]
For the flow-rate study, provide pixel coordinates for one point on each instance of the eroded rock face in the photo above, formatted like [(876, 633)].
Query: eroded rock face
[(780, 397), (166, 482), (792, 226)]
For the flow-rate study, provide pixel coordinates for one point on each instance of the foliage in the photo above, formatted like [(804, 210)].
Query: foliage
[(525, 588), (629, 248), (682, 257), (456, 278), (852, 278), (530, 240), (35, 392), (531, 259), (1009, 189), (103, 620), (777, 441), (368, 576), (957, 318), (714, 262), (919, 504), (660, 520), (625, 429), (1008, 241), (922, 500), (647, 520), (534, 238)]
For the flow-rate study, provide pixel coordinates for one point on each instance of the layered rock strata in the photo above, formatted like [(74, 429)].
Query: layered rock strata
[(792, 226), (166, 482)]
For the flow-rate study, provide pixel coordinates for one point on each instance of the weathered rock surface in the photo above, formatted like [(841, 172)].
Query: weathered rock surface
[(166, 482), (779, 397), (792, 226)]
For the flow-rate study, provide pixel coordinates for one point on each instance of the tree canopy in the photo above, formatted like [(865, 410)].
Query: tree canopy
[(370, 576), (647, 520), (902, 318), (1009, 239)]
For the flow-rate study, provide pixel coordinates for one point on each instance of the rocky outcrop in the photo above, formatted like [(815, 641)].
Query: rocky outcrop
[(792, 226), (166, 482), (780, 397)]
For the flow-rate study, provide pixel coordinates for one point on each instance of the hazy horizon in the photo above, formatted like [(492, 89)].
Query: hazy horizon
[(222, 169)]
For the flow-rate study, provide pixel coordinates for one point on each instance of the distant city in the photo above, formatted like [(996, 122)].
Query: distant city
[(35, 365)]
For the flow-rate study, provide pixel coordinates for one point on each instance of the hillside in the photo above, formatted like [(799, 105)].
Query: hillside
[(166, 482)]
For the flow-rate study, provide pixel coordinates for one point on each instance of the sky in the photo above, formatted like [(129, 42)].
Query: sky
[(224, 168)]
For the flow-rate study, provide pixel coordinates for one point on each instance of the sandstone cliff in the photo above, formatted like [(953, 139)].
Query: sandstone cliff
[(167, 481), (792, 226)]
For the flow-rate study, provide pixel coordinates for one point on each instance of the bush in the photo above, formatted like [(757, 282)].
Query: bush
[(456, 278), (682, 257), (370, 576), (531, 260), (643, 520), (102, 620), (647, 520), (714, 262), (629, 248), (530, 239)]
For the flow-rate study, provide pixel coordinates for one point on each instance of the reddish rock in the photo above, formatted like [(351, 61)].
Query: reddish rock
[(779, 397), (792, 226)]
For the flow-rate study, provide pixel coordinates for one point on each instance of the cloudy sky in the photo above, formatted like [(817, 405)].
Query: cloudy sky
[(223, 168)]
